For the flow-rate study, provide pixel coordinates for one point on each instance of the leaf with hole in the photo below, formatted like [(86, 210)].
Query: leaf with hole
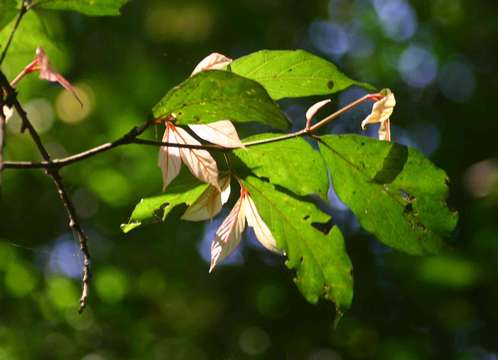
[(397, 194), (320, 259)]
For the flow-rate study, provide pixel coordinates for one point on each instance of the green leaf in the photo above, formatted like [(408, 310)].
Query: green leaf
[(292, 164), (220, 95), (8, 10), (321, 261), (185, 189), (32, 32), (87, 7), (397, 194), (292, 73)]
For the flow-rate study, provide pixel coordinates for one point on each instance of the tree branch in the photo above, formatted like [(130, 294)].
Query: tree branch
[(132, 138), (53, 172)]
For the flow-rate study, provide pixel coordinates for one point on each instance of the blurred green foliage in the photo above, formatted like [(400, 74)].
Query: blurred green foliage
[(152, 297)]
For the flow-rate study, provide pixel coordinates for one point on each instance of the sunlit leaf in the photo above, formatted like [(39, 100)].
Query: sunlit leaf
[(220, 95), (87, 7), (381, 111), (313, 109), (322, 264), (263, 234), (185, 189), (209, 204), (200, 162), (228, 234), (169, 161), (292, 164), (397, 194), (292, 73), (214, 61), (219, 132)]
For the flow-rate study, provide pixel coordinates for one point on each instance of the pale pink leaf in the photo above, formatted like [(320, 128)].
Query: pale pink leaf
[(7, 112), (313, 109), (47, 73), (254, 220), (169, 157), (209, 203), (228, 234), (381, 110), (213, 61), (221, 132), (200, 162)]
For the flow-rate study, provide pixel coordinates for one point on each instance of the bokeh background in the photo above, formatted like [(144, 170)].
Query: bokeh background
[(152, 297)]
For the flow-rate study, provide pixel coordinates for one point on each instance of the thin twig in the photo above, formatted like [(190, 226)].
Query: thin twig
[(341, 111), (20, 15), (53, 172), (132, 138), (128, 138)]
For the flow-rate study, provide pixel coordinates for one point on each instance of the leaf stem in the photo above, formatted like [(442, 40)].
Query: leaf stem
[(341, 111)]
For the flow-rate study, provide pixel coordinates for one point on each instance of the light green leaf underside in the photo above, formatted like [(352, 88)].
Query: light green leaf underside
[(185, 189), (87, 7), (292, 73), (322, 264), (397, 194), (292, 164), (31, 33), (7, 13), (220, 95)]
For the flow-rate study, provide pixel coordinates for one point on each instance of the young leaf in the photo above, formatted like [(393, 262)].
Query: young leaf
[(213, 61), (213, 95), (8, 10), (289, 74), (200, 162), (32, 33), (397, 194), (381, 111), (185, 189), (313, 109), (322, 264), (228, 234), (170, 161), (219, 132), (42, 64), (87, 7), (292, 164), (209, 204), (263, 234)]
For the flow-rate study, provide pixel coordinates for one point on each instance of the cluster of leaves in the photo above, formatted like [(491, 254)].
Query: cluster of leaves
[(397, 194)]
